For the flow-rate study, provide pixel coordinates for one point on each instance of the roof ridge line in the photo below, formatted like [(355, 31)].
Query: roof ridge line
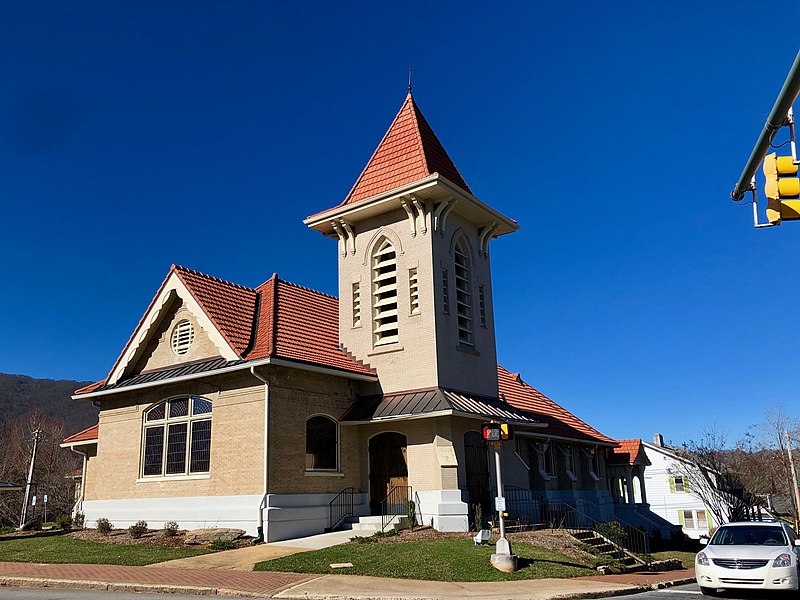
[(308, 289), (181, 268)]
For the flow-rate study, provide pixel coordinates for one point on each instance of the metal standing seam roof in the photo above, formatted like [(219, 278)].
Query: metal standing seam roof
[(5, 486), (432, 400)]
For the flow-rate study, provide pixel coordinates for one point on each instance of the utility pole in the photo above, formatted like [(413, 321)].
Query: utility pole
[(794, 480), (24, 514)]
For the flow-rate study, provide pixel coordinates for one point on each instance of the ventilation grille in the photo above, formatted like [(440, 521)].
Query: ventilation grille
[(463, 296), (182, 337), (413, 290), (384, 293), (356, 304)]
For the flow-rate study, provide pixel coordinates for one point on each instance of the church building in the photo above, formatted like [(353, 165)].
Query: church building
[(263, 407)]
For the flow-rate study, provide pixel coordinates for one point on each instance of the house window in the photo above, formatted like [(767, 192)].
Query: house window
[(445, 292), (549, 460), (384, 293), (177, 437), (678, 484), (413, 291), (482, 304), (182, 337), (356, 305), (463, 293), (322, 444), (687, 519), (702, 521)]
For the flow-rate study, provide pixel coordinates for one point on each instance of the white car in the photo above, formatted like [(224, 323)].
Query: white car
[(750, 555)]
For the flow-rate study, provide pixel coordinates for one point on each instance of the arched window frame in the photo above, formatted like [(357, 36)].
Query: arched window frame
[(334, 452), (158, 459)]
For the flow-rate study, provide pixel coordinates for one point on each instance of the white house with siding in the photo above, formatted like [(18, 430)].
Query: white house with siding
[(669, 493)]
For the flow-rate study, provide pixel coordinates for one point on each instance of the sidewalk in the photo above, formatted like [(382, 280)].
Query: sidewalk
[(329, 587)]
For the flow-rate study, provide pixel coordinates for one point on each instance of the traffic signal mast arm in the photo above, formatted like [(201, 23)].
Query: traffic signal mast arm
[(776, 120)]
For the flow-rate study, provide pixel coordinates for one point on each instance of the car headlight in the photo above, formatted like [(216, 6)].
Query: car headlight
[(784, 560), (702, 559)]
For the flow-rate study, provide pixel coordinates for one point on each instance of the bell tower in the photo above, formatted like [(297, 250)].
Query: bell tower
[(415, 291)]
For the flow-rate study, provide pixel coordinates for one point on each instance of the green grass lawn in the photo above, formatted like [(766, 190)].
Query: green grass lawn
[(438, 560), (687, 558), (65, 549)]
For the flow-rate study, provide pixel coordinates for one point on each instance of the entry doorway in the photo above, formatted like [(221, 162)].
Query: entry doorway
[(476, 463), (388, 467)]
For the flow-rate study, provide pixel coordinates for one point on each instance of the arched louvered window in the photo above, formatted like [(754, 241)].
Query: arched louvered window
[(177, 437), (463, 293), (384, 293), (322, 444)]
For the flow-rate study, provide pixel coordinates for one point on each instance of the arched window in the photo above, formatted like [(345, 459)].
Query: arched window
[(463, 293), (177, 437), (384, 293), (322, 444)]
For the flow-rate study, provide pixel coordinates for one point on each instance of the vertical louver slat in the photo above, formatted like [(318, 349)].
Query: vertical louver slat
[(356, 304), (463, 294), (413, 291), (384, 293), (445, 292)]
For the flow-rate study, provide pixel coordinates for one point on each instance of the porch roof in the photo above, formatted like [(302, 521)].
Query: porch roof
[(5, 486), (435, 401)]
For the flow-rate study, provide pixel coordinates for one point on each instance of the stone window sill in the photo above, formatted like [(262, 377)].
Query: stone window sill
[(324, 474), (163, 478)]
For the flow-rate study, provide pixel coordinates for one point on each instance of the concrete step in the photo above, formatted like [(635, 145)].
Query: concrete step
[(373, 523)]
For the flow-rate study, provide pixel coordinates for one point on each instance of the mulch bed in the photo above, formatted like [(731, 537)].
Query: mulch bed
[(151, 538)]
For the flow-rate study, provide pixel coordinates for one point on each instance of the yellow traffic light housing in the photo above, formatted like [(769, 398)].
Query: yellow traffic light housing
[(782, 192)]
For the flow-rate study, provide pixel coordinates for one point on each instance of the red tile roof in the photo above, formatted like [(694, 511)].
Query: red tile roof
[(627, 452), (231, 307), (83, 436), (560, 422), (408, 152), (292, 322)]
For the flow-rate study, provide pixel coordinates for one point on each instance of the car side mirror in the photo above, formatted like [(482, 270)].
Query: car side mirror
[(703, 541)]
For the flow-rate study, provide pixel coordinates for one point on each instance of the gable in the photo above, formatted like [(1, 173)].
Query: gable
[(158, 352), (162, 309)]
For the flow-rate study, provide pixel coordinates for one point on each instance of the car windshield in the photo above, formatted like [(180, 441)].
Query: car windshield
[(749, 535)]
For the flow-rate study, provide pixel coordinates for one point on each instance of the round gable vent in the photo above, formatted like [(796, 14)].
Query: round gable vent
[(182, 337)]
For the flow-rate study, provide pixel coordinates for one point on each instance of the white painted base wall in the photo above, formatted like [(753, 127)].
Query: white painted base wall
[(240, 512), (291, 516), (443, 509)]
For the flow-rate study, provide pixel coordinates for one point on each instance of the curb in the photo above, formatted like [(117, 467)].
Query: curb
[(634, 589), (109, 586)]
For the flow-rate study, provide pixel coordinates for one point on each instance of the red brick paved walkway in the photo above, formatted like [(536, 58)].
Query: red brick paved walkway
[(643, 577), (262, 583)]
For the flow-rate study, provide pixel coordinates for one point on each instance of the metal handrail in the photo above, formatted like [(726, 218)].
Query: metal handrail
[(630, 539), (395, 504), (340, 507)]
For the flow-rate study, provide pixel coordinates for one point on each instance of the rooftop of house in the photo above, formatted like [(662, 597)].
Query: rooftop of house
[(627, 453), (285, 320)]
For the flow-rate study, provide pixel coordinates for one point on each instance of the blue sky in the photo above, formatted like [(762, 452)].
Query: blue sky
[(134, 135)]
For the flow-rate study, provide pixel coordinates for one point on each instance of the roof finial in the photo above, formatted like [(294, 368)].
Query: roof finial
[(409, 80)]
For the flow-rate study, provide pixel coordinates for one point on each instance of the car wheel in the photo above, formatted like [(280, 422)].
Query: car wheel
[(709, 591)]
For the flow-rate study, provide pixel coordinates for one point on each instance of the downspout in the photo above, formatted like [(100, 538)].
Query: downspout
[(262, 534)]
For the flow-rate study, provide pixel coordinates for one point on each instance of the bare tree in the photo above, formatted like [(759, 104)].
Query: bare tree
[(53, 469), (713, 472)]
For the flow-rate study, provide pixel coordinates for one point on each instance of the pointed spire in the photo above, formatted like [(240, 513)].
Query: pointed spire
[(409, 151)]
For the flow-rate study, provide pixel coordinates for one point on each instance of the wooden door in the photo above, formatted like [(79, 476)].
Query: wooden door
[(388, 467)]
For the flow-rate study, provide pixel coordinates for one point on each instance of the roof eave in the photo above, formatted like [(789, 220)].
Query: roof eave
[(391, 199)]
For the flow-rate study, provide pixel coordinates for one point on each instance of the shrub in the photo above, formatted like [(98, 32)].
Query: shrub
[(78, 520), (104, 526), (170, 529), (477, 522), (64, 522), (138, 529), (411, 513), (221, 545)]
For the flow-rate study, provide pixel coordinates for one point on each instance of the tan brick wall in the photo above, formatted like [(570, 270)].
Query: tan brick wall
[(428, 351), (236, 465), (158, 352)]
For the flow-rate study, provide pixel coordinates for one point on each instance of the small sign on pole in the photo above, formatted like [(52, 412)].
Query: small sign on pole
[(33, 501), (45, 498), (500, 504)]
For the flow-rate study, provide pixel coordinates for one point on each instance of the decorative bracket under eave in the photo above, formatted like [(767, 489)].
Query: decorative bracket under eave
[(442, 212), (344, 231), (486, 234), (417, 215)]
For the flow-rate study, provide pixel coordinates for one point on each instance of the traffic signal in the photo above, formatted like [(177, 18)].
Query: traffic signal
[(491, 432), (782, 192), (506, 432)]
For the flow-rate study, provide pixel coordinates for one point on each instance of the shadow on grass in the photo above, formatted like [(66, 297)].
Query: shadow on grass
[(523, 562)]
